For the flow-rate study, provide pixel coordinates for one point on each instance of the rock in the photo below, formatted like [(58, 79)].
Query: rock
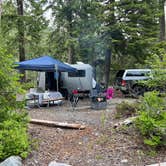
[(54, 163), (12, 161), (59, 130), (97, 134), (158, 164), (85, 139), (127, 121), (124, 161)]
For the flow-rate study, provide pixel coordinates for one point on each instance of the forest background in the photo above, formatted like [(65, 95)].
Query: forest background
[(108, 34)]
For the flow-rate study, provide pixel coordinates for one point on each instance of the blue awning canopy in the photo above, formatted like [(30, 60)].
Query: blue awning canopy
[(45, 63)]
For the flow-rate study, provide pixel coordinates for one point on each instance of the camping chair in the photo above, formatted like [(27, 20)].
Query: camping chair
[(74, 98)]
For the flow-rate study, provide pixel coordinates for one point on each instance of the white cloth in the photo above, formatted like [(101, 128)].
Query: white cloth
[(46, 95), (93, 83)]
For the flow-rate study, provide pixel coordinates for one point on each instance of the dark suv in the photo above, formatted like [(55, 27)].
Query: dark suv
[(128, 81)]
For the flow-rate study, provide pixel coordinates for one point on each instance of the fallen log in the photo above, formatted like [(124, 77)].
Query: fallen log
[(57, 124)]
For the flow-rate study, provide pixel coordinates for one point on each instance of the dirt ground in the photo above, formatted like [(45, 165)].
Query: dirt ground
[(100, 144)]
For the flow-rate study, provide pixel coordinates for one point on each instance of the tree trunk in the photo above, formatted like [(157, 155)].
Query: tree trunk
[(0, 9), (162, 20), (20, 25), (70, 29), (162, 28), (107, 66), (0, 13), (71, 54), (109, 43)]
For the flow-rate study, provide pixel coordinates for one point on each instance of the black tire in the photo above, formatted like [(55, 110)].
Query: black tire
[(138, 90)]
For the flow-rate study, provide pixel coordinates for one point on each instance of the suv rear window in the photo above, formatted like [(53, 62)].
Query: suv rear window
[(137, 73), (120, 73)]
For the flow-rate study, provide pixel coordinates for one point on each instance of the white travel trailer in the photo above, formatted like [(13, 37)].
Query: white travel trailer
[(82, 80)]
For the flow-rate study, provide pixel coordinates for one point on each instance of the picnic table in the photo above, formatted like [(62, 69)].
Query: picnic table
[(48, 98)]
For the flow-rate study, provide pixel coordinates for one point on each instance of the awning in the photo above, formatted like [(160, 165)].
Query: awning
[(45, 63)]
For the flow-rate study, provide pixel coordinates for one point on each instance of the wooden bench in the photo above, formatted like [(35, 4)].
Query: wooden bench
[(49, 100)]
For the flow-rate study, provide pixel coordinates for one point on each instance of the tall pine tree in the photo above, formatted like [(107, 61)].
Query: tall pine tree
[(130, 28)]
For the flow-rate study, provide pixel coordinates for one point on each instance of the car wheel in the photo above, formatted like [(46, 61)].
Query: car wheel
[(138, 91)]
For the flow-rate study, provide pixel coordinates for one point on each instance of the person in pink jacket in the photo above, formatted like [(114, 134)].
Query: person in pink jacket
[(109, 93)]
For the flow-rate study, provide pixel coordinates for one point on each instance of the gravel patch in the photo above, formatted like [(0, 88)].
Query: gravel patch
[(100, 144)]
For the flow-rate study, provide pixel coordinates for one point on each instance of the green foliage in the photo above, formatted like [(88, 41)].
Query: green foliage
[(151, 153), (75, 30), (132, 27), (103, 119), (152, 119), (33, 24), (98, 157), (13, 138), (85, 30), (13, 121), (126, 109), (27, 85), (157, 61), (9, 85), (103, 139)]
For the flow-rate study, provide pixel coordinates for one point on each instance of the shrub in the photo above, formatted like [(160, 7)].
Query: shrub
[(13, 121), (151, 121), (157, 62), (13, 138), (126, 109), (27, 85)]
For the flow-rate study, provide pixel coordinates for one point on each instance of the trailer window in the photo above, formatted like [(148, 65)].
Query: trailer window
[(79, 73)]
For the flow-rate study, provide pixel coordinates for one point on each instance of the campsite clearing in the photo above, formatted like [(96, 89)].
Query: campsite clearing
[(99, 144)]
